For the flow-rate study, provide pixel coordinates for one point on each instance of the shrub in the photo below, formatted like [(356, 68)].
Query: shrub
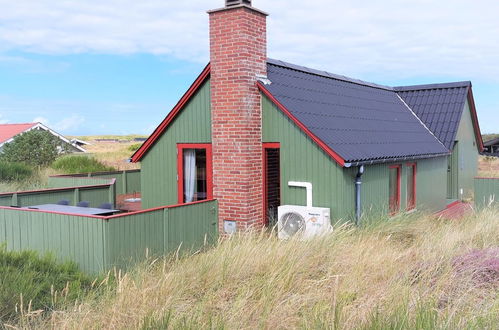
[(42, 283), (80, 164), (14, 171), (36, 148), (134, 147)]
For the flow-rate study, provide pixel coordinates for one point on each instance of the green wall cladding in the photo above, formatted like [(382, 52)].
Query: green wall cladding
[(467, 153), (159, 165), (333, 186), (97, 244), (486, 192)]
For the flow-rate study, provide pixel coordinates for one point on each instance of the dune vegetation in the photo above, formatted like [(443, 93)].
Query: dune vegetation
[(414, 271)]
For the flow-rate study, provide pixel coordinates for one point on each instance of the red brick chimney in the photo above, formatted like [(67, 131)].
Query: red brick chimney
[(238, 42)]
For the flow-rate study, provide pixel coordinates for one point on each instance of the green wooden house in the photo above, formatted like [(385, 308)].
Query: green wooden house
[(248, 125)]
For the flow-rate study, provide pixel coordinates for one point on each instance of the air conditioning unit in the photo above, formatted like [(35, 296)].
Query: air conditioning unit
[(306, 221), (302, 220)]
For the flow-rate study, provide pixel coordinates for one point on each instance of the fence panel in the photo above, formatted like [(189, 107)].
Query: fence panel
[(70, 181), (486, 192), (127, 182), (100, 243), (68, 237), (128, 237), (191, 225), (96, 195)]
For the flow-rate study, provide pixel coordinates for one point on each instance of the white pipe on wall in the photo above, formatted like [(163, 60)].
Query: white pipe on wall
[(306, 185)]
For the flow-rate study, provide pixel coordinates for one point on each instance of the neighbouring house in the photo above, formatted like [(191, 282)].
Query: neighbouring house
[(80, 143), (9, 131), (249, 124), (491, 147)]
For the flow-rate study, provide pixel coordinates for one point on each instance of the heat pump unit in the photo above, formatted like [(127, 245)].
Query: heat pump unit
[(303, 221)]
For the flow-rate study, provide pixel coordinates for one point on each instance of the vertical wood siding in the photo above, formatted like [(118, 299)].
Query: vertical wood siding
[(69, 181), (468, 153), (97, 244), (96, 195), (126, 182), (486, 192), (159, 165), (80, 239)]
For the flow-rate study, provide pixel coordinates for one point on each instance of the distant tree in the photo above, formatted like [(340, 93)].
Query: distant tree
[(35, 147)]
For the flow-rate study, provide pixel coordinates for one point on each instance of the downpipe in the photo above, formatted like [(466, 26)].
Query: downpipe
[(358, 200)]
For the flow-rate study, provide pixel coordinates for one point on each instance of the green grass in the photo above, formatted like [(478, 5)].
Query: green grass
[(10, 171), (134, 147), (73, 164), (37, 284), (393, 274)]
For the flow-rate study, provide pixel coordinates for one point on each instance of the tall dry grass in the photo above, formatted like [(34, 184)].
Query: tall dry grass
[(403, 273)]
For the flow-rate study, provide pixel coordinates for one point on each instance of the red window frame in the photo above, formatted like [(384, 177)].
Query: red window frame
[(411, 204), (396, 207), (180, 168), (266, 145)]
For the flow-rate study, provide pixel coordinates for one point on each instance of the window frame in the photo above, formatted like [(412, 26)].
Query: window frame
[(180, 169), (412, 206), (398, 193)]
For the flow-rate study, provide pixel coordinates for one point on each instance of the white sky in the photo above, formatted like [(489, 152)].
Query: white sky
[(399, 38), (384, 41)]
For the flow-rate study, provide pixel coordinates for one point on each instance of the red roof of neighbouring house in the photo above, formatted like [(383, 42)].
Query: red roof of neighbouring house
[(8, 131)]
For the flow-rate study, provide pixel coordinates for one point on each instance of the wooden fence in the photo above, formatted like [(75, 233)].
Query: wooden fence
[(98, 243), (486, 192), (127, 182), (96, 193)]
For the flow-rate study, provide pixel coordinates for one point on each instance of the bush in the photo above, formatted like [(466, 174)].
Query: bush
[(80, 164), (134, 147), (42, 282), (14, 171), (36, 148)]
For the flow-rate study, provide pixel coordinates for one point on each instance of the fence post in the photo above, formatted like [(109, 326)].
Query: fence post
[(76, 195), (123, 177), (14, 200), (112, 194)]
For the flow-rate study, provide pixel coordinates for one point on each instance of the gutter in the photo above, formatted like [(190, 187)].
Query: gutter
[(391, 160)]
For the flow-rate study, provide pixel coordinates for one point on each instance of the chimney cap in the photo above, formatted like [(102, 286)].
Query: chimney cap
[(232, 3)]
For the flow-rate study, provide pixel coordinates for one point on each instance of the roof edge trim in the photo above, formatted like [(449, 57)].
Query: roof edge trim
[(311, 135), (432, 86), (156, 134), (474, 118)]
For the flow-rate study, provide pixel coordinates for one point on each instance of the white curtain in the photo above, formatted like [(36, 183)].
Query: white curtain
[(189, 174)]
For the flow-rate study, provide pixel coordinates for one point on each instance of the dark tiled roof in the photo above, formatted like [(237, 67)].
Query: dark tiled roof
[(360, 121), (439, 106)]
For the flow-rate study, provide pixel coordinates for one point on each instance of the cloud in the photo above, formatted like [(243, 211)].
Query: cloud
[(66, 124), (362, 38)]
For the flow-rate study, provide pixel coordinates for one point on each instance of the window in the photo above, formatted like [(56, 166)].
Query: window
[(194, 172), (394, 189), (271, 182), (411, 186)]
